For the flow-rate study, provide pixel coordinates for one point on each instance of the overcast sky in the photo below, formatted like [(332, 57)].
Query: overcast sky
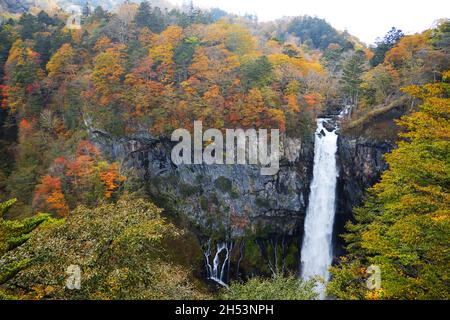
[(365, 19)]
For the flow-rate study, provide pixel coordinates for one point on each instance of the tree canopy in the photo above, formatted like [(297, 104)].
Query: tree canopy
[(404, 225)]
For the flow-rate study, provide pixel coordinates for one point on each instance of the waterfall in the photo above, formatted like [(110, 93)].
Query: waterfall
[(346, 112), (217, 270), (316, 254)]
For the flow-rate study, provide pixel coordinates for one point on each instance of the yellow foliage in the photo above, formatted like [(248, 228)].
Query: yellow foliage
[(234, 37)]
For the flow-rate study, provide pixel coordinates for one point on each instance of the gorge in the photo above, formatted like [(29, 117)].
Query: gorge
[(248, 223), (91, 118)]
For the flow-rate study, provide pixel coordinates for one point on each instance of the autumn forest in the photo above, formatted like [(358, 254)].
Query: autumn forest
[(86, 178)]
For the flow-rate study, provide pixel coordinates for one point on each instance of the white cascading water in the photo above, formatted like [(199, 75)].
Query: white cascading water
[(216, 271), (316, 254)]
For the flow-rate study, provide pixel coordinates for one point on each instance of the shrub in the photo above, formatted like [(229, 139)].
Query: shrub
[(276, 288)]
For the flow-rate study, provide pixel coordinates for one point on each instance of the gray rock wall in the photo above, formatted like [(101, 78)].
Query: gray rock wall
[(228, 199), (361, 162)]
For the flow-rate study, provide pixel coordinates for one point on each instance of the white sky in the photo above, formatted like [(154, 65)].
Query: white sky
[(365, 19)]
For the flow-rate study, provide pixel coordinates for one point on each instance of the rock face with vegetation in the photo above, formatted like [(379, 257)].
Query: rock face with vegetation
[(261, 216), (236, 203)]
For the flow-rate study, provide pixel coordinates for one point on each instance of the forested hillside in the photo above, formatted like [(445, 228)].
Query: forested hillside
[(144, 70), (404, 225)]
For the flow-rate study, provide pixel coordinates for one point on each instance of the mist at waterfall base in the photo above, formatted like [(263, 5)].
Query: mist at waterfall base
[(316, 253)]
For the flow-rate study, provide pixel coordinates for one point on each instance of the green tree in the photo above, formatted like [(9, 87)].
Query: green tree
[(316, 32), (182, 57), (352, 72), (125, 250), (158, 20), (45, 20), (100, 14), (151, 18), (380, 83), (29, 25), (43, 46), (7, 38), (29, 159), (256, 73), (384, 45), (441, 36), (14, 233), (143, 15)]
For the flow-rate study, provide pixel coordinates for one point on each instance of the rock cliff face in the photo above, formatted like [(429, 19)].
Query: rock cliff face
[(228, 199), (238, 208), (361, 163)]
